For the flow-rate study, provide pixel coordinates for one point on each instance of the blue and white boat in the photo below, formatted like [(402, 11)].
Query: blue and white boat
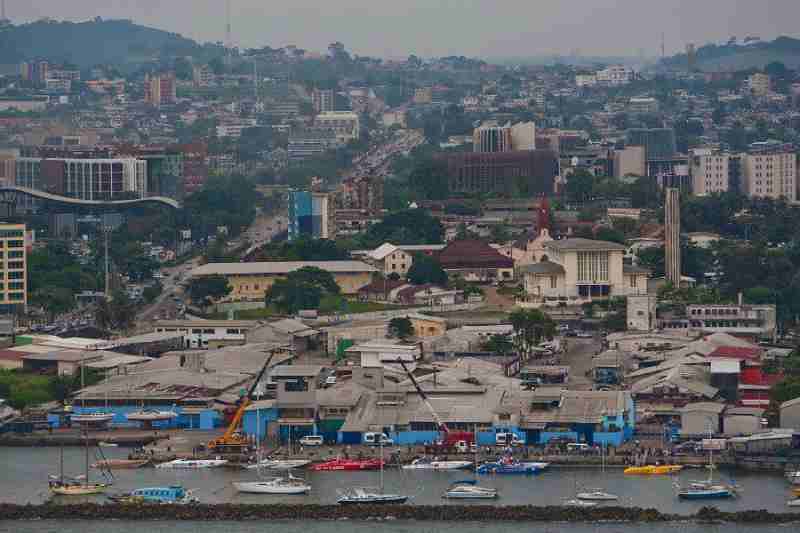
[(175, 494), (706, 491), (509, 466)]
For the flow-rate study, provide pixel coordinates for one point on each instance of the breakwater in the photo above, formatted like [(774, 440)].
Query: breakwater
[(462, 513)]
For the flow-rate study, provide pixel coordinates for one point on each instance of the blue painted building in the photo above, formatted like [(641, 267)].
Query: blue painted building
[(189, 416), (606, 418), (309, 215)]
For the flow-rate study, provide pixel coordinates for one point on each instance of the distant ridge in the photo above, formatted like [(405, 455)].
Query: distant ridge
[(90, 43), (731, 57)]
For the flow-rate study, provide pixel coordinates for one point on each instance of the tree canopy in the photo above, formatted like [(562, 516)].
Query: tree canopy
[(426, 269), (301, 289), (411, 226), (531, 326), (400, 328), (206, 289)]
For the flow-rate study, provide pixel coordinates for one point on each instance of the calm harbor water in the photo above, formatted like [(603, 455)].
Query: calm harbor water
[(370, 527), (25, 472)]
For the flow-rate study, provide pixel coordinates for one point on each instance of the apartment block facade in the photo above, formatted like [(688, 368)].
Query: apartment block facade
[(710, 172), (13, 267), (770, 172)]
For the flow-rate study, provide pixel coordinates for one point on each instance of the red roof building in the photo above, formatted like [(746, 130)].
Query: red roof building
[(741, 353), (476, 261)]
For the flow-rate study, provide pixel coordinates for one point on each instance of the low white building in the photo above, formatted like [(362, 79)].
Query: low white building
[(207, 333)]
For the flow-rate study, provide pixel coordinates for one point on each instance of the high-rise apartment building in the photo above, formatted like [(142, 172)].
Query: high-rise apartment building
[(13, 268), (323, 100), (160, 89), (311, 215), (769, 170), (84, 179), (659, 143), (710, 171), (345, 124), (759, 84), (614, 75), (492, 137)]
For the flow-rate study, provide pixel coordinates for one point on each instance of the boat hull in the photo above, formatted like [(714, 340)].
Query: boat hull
[(439, 465), (79, 490), (705, 495), (280, 464), (596, 497), (185, 464), (266, 487), (120, 464), (503, 469), (345, 466), (377, 500), (652, 470)]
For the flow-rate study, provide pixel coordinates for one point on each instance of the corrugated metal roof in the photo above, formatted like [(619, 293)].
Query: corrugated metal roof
[(280, 267)]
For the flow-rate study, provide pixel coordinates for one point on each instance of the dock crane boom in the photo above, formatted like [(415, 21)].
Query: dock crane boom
[(442, 427), (232, 440)]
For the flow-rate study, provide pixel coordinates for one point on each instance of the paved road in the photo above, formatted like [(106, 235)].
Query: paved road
[(579, 359)]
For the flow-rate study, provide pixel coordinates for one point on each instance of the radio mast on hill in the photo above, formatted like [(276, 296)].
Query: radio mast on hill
[(228, 38)]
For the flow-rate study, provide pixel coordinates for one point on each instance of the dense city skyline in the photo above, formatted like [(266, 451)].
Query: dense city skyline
[(380, 28)]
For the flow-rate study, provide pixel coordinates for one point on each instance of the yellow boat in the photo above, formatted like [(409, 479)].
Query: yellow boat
[(77, 489), (653, 470), (796, 492)]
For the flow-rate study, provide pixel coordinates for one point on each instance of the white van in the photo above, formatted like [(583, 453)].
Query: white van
[(311, 440), (505, 439), (577, 447), (375, 439)]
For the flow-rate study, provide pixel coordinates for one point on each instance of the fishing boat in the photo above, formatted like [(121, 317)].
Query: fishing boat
[(151, 415), (173, 495), (193, 463), (468, 489), (120, 464), (509, 465), (793, 477), (279, 464), (596, 495), (278, 485), (794, 503), (347, 465), (425, 463), (653, 470)]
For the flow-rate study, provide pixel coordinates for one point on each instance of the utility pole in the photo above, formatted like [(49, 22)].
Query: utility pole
[(105, 238)]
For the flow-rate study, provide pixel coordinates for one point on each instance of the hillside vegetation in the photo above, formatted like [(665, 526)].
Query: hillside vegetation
[(730, 57)]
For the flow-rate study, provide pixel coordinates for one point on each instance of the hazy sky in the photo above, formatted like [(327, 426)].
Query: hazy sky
[(486, 28)]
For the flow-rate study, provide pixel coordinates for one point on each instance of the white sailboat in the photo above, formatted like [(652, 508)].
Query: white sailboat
[(362, 495), (597, 495), (469, 489), (425, 463), (278, 485), (193, 463)]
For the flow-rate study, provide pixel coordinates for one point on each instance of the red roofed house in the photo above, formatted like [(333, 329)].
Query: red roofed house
[(476, 261), (743, 353)]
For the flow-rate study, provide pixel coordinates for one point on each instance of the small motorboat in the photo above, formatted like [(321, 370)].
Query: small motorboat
[(279, 464), (653, 470), (794, 503), (91, 418), (365, 495), (469, 490), (337, 465), (505, 466), (596, 495), (120, 464), (150, 415), (104, 444), (280, 485), (193, 463), (796, 492), (424, 463), (175, 494), (793, 477)]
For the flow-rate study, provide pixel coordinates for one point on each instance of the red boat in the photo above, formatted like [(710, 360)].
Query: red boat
[(347, 464)]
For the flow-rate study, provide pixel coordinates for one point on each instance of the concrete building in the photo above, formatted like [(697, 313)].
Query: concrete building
[(672, 234), (710, 171), (234, 129), (310, 143), (323, 100), (250, 281), (528, 172), (615, 75), (642, 104), (345, 124), (207, 333), (755, 321), (790, 414), (475, 261), (84, 179), (160, 89), (658, 143), (202, 76), (492, 137), (389, 259), (13, 268), (423, 95), (700, 419), (580, 270), (759, 84), (769, 170), (311, 215), (641, 312), (629, 162)]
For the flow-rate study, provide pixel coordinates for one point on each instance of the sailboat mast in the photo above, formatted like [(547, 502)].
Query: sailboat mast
[(381, 448), (86, 438), (61, 464)]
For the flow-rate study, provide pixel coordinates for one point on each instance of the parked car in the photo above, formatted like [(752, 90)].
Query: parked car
[(584, 334), (577, 446), (508, 439), (311, 440)]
